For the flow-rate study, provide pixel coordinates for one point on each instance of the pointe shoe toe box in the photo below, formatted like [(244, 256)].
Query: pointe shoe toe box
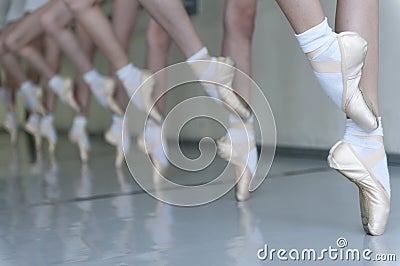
[(374, 199)]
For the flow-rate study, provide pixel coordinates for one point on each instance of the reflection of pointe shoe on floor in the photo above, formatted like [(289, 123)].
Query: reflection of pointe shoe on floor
[(33, 127), (152, 144), (143, 99), (240, 149), (221, 71), (79, 136), (10, 124), (365, 165), (114, 136), (49, 132), (355, 102)]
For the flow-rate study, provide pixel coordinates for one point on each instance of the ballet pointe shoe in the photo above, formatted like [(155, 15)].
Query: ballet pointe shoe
[(149, 148), (81, 139), (32, 98), (146, 148), (39, 109), (109, 90), (48, 131), (238, 154), (33, 128), (243, 180), (146, 96), (355, 103), (10, 124), (221, 80), (374, 199), (67, 94), (114, 138)]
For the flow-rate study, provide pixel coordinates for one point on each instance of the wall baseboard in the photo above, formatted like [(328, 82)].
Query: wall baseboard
[(393, 159), (321, 154)]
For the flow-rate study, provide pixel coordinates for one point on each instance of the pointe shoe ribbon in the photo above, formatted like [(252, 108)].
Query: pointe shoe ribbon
[(374, 199), (220, 72), (355, 102)]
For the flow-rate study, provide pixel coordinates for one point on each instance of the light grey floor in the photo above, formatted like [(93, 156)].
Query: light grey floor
[(69, 214)]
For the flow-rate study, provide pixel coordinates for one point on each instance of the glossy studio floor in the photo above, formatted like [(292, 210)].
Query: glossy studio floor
[(65, 213)]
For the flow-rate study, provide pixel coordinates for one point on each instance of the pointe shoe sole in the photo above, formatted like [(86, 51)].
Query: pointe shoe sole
[(374, 200)]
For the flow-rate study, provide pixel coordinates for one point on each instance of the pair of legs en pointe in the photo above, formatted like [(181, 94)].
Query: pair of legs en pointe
[(349, 75), (176, 22), (239, 21), (11, 15)]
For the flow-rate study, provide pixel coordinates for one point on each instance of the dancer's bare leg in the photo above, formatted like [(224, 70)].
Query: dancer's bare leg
[(11, 64), (18, 40), (303, 14), (78, 133), (83, 90), (99, 28), (50, 60), (158, 44), (239, 24), (32, 125), (351, 16), (53, 57), (92, 18), (7, 96), (55, 22), (26, 30), (124, 18), (325, 50), (25, 86), (9, 61), (36, 59), (173, 17), (363, 17), (362, 144)]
